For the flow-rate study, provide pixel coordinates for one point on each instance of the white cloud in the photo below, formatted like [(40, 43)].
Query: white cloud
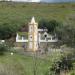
[(28, 0), (45, 0)]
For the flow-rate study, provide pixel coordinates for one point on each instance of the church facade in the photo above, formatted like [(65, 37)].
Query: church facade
[(34, 37)]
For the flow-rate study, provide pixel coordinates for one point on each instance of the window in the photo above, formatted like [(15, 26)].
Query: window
[(30, 37)]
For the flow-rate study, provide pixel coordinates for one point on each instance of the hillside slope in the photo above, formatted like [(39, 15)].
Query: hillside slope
[(20, 13)]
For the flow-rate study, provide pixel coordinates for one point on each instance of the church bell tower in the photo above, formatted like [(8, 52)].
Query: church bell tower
[(33, 35)]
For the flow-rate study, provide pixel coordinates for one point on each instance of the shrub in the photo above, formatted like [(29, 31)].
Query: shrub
[(65, 64), (3, 49)]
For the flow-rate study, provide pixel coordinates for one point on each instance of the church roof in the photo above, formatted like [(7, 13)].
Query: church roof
[(33, 20), (24, 28)]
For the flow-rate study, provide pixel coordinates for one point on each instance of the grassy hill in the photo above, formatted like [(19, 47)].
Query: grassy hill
[(20, 13)]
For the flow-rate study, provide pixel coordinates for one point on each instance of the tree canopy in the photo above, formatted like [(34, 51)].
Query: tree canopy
[(66, 34), (7, 30), (50, 25)]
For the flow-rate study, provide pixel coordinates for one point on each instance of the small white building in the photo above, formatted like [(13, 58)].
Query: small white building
[(35, 36)]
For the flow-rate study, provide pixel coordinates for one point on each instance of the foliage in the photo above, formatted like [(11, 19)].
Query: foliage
[(7, 31), (66, 34), (3, 48), (20, 13), (10, 42), (64, 64), (43, 23), (50, 25)]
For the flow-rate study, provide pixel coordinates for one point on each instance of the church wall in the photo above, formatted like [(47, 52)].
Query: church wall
[(22, 44)]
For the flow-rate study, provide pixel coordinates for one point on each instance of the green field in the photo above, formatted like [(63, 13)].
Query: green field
[(20, 64), (21, 13)]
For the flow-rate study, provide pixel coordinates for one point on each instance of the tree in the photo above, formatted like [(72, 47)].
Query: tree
[(43, 23), (7, 31), (50, 25), (66, 34)]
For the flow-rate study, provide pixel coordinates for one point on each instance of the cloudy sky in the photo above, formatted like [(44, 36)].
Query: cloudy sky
[(46, 0), (28, 0), (58, 0)]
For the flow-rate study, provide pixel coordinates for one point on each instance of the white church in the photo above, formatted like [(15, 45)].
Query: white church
[(35, 36)]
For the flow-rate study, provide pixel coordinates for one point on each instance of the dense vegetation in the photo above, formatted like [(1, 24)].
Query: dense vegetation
[(20, 13), (50, 25)]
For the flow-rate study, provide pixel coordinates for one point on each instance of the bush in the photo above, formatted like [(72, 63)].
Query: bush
[(3, 49), (64, 64)]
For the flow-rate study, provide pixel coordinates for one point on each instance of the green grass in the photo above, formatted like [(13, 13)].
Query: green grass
[(20, 13), (23, 64), (19, 64)]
